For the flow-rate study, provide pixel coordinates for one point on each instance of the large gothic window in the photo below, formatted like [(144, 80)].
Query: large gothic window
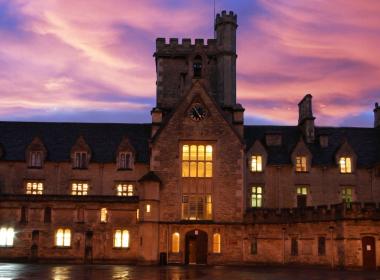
[(197, 67)]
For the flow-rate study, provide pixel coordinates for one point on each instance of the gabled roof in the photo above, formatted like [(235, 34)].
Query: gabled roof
[(58, 138), (364, 141)]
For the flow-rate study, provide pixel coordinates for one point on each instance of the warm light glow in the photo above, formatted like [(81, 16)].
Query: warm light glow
[(345, 165), (175, 242), (347, 195), (301, 164), (257, 196), (301, 190), (256, 163), (103, 215), (197, 161), (148, 208), (124, 189), (63, 237), (138, 214), (216, 243), (121, 238), (197, 207), (6, 237), (79, 189), (34, 188)]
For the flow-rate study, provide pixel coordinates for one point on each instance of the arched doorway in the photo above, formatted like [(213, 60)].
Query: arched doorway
[(196, 247), (369, 252)]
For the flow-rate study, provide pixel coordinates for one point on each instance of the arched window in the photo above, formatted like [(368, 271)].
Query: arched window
[(121, 239), (197, 67), (175, 242), (103, 215), (216, 243)]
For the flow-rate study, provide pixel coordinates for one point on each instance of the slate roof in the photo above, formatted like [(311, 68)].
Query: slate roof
[(364, 141), (59, 138), (104, 139)]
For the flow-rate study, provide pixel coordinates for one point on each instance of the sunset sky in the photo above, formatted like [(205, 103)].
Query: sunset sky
[(91, 60)]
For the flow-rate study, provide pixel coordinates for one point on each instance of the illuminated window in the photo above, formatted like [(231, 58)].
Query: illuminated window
[(125, 160), (197, 161), (6, 237), (103, 215), (34, 188), (35, 159), (148, 208), (196, 207), (79, 188), (138, 214), (345, 165), (256, 163), (80, 160), (347, 195), (124, 189), (257, 196), (121, 239), (175, 242), (302, 196), (216, 243), (63, 237), (301, 164)]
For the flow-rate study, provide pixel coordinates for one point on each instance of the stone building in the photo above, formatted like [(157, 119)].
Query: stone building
[(196, 185)]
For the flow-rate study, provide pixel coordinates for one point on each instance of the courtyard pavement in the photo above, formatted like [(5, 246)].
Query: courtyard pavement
[(19, 271)]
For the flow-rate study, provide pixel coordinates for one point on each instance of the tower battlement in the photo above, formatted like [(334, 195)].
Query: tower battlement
[(223, 18), (185, 45)]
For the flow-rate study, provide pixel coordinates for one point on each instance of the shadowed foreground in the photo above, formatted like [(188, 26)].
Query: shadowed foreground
[(61, 272)]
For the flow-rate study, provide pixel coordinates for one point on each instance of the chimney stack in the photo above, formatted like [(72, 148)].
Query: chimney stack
[(376, 112), (306, 118)]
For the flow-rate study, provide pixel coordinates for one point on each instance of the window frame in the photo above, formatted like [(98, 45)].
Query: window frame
[(32, 182), (259, 196), (80, 160), (195, 207), (35, 162), (301, 164), (79, 183), (216, 243), (127, 191), (207, 161), (176, 243), (345, 163), (122, 232), (259, 160), (65, 231), (7, 239), (124, 164), (104, 215)]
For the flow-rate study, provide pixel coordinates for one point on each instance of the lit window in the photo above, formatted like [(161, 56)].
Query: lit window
[(257, 197), (138, 214), (197, 161), (63, 237), (345, 165), (302, 196), (301, 164), (148, 208), (35, 159), (175, 242), (34, 188), (121, 239), (196, 207), (125, 160), (6, 237), (80, 160), (103, 215), (256, 164), (216, 243), (79, 188), (124, 189), (347, 195)]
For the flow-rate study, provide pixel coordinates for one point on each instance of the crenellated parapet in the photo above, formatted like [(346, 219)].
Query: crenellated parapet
[(322, 213), (173, 47), (225, 17)]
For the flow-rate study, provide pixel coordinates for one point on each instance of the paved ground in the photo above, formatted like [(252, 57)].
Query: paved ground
[(117, 272)]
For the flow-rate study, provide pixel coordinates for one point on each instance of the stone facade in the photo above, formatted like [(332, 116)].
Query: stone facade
[(195, 185)]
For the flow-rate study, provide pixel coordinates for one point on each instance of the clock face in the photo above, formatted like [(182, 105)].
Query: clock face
[(197, 112)]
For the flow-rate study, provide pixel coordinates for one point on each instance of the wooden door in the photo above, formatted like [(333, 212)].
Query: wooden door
[(202, 248), (196, 247), (369, 252)]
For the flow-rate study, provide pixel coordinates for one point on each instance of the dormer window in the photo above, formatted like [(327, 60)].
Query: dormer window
[(345, 164), (256, 163), (35, 159), (301, 164), (125, 160), (197, 67), (80, 160)]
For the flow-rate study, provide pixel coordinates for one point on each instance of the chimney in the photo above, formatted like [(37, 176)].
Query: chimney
[(306, 118), (376, 112)]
